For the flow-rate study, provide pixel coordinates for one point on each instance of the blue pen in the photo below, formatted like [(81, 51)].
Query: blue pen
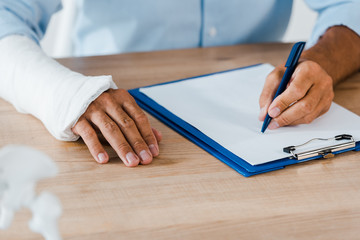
[(290, 65)]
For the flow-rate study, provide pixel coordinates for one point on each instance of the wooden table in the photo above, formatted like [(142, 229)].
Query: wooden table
[(186, 193)]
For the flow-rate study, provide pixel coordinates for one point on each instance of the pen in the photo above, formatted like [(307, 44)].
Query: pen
[(290, 65)]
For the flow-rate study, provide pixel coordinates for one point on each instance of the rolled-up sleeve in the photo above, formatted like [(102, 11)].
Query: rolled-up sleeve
[(26, 17), (333, 13)]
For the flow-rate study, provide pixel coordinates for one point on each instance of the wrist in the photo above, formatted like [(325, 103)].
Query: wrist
[(336, 52)]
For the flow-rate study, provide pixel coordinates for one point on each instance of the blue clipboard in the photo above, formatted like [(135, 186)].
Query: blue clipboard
[(209, 145)]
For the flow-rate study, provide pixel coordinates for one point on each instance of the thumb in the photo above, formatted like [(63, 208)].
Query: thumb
[(271, 84)]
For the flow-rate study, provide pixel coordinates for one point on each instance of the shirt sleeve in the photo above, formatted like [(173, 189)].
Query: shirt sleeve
[(33, 82), (26, 17), (37, 84), (333, 13)]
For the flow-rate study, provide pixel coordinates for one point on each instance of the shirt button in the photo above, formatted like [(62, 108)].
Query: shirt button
[(212, 32)]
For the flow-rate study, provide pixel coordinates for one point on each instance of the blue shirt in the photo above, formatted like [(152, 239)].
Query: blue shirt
[(116, 26)]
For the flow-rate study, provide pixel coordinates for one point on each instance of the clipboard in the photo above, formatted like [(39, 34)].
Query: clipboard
[(343, 142)]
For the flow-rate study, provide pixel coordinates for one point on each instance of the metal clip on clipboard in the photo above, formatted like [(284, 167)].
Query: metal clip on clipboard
[(325, 152)]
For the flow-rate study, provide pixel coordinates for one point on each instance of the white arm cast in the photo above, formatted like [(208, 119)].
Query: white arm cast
[(35, 83)]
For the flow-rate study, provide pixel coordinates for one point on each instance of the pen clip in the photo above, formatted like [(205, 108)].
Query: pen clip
[(295, 54)]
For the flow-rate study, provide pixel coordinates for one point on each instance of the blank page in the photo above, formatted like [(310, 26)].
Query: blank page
[(224, 106)]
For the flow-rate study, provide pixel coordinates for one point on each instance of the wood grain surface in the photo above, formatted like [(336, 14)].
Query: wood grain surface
[(186, 193)]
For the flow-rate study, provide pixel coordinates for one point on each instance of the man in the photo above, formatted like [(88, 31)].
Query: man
[(72, 105)]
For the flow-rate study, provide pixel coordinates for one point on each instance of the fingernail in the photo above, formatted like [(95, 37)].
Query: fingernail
[(101, 158), (154, 150), (145, 156), (263, 110), (132, 159), (273, 125), (274, 112), (262, 113)]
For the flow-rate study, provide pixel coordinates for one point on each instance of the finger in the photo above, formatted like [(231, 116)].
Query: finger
[(296, 90), (115, 138), (271, 84), (157, 134), (312, 116), (309, 105), (142, 124), (131, 132), (88, 134)]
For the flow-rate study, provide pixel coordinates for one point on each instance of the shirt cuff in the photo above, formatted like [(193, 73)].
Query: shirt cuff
[(343, 14)]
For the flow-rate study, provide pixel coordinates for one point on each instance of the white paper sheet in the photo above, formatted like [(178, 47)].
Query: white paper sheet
[(225, 107)]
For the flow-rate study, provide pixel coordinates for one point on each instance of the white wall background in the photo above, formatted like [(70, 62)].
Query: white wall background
[(301, 22), (57, 42)]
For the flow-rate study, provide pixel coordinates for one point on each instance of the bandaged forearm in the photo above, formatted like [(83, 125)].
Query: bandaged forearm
[(36, 84)]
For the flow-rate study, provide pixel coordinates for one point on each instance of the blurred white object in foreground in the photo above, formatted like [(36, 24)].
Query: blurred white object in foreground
[(20, 169)]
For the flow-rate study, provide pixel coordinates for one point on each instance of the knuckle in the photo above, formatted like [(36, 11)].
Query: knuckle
[(306, 107), (118, 108), (123, 147), (127, 104), (110, 126), (127, 123), (150, 137), (141, 118), (283, 120), (282, 103), (138, 144), (297, 91), (105, 98), (308, 67)]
